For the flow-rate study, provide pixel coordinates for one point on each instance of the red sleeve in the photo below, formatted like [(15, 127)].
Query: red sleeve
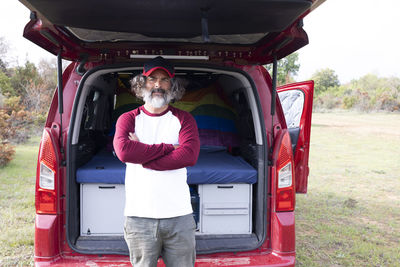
[(135, 151), (187, 152)]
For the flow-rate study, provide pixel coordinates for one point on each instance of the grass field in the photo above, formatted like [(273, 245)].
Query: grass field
[(350, 216), (17, 208)]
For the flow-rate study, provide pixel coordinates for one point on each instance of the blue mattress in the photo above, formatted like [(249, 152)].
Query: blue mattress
[(214, 166)]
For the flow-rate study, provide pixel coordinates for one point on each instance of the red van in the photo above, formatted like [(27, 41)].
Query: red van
[(254, 137)]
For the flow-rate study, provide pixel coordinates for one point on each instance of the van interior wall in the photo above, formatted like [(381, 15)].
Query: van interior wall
[(96, 117), (252, 152), (94, 123), (94, 105)]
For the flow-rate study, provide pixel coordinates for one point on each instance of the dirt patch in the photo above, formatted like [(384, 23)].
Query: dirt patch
[(365, 221), (350, 203)]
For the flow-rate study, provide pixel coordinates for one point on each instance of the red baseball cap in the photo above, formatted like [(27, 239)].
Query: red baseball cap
[(158, 63)]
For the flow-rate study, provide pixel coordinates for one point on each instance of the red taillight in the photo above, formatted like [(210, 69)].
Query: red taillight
[(46, 196), (285, 189)]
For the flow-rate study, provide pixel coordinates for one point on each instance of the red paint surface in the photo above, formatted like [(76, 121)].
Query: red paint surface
[(46, 236), (270, 259), (283, 232)]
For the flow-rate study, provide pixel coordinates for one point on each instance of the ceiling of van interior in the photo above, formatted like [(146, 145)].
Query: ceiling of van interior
[(94, 35)]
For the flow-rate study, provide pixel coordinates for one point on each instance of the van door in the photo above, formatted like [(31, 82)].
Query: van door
[(213, 31), (297, 100)]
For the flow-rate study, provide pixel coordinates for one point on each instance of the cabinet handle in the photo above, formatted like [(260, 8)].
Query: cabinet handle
[(106, 187), (225, 186)]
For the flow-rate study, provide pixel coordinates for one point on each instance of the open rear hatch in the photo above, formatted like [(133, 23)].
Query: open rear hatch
[(247, 32)]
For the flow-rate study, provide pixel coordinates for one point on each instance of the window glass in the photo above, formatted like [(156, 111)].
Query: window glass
[(292, 103)]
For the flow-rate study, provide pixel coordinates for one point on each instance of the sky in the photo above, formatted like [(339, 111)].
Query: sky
[(352, 37)]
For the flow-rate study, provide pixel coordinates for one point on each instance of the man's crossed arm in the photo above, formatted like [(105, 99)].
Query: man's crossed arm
[(159, 156)]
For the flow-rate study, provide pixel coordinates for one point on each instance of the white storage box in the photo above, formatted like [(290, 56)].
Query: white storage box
[(225, 208), (102, 209)]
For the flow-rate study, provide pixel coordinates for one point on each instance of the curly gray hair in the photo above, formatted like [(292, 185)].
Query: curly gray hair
[(139, 81)]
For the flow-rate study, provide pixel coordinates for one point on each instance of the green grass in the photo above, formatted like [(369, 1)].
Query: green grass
[(17, 212), (351, 213), (349, 217)]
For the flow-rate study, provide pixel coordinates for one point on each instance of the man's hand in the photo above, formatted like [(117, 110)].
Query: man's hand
[(133, 137)]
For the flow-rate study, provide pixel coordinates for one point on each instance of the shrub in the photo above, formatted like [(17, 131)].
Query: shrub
[(6, 150), (15, 121), (369, 93), (386, 99), (6, 153), (22, 123), (363, 102), (327, 100), (5, 130), (348, 102)]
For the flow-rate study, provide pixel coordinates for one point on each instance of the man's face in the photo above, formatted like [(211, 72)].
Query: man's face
[(158, 89)]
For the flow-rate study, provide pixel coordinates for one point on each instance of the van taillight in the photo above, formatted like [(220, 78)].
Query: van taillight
[(46, 196), (285, 188)]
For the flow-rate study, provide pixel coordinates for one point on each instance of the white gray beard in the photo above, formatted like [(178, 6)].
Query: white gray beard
[(156, 102)]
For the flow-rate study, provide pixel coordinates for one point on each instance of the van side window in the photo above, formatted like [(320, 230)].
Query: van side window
[(292, 104)]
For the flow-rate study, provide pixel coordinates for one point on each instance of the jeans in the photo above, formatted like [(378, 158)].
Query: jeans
[(173, 239)]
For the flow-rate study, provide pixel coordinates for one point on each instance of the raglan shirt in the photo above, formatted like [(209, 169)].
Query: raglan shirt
[(156, 177)]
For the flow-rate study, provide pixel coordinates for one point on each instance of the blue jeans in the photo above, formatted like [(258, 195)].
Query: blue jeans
[(173, 239)]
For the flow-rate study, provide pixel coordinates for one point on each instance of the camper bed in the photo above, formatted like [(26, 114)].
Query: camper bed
[(214, 166)]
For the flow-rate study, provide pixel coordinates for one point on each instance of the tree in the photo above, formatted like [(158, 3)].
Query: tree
[(325, 79), (5, 83), (39, 94), (287, 69), (22, 77), (48, 72), (3, 53), (3, 66)]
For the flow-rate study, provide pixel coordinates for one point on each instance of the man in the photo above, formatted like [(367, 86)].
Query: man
[(157, 142)]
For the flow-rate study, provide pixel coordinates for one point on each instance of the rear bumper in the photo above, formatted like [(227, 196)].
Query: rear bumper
[(281, 253), (253, 260)]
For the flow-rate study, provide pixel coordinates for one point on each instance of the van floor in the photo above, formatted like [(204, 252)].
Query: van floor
[(204, 243)]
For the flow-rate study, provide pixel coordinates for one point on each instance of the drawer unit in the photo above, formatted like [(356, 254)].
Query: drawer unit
[(102, 209), (225, 208)]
